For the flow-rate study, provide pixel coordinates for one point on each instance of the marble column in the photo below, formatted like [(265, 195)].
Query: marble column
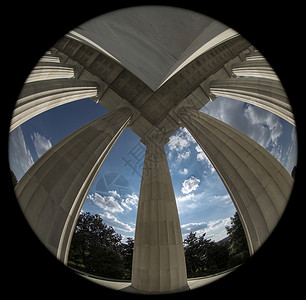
[(51, 193), (265, 93), (158, 258), (38, 97), (258, 184), (254, 68), (256, 55), (50, 71)]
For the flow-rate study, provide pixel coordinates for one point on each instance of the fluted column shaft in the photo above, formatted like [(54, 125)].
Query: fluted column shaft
[(265, 93), (52, 191), (158, 258), (38, 97), (50, 71), (254, 68), (258, 184)]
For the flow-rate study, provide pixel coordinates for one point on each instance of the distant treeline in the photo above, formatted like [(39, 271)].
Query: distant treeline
[(98, 250)]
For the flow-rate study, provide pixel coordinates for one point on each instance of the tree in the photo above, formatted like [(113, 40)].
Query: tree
[(96, 248), (238, 248), (196, 254), (191, 253), (127, 254), (205, 257), (217, 257)]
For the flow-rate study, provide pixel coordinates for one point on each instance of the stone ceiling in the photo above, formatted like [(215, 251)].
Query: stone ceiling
[(152, 43), (151, 60)]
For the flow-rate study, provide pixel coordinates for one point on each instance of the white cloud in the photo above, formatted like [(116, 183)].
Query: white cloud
[(215, 230), (114, 202), (130, 201), (224, 199), (202, 157), (183, 155), (180, 140), (287, 156), (277, 152), (183, 172), (189, 202), (266, 127), (114, 194), (291, 153), (190, 184), (20, 157), (108, 203), (185, 198), (111, 220), (194, 227), (227, 110), (41, 143), (259, 124)]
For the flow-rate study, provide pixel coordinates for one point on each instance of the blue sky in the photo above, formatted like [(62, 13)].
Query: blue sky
[(203, 202)]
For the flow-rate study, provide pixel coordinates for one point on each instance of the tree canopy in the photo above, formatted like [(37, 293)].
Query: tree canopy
[(238, 247), (98, 250)]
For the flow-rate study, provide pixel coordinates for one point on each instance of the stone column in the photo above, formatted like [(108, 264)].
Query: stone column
[(256, 55), (50, 71), (38, 97), (158, 258), (254, 68), (265, 93), (258, 184), (52, 191)]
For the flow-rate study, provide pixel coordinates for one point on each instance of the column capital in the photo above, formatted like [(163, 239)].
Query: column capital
[(265, 93), (39, 96), (155, 136), (134, 112), (185, 109), (182, 108)]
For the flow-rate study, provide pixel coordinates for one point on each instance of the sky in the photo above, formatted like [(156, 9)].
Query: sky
[(204, 204)]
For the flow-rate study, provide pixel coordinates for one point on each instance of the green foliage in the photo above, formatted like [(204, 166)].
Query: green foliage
[(98, 250), (238, 246), (205, 257), (127, 253)]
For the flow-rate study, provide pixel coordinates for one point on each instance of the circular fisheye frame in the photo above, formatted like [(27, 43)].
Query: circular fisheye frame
[(153, 150)]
